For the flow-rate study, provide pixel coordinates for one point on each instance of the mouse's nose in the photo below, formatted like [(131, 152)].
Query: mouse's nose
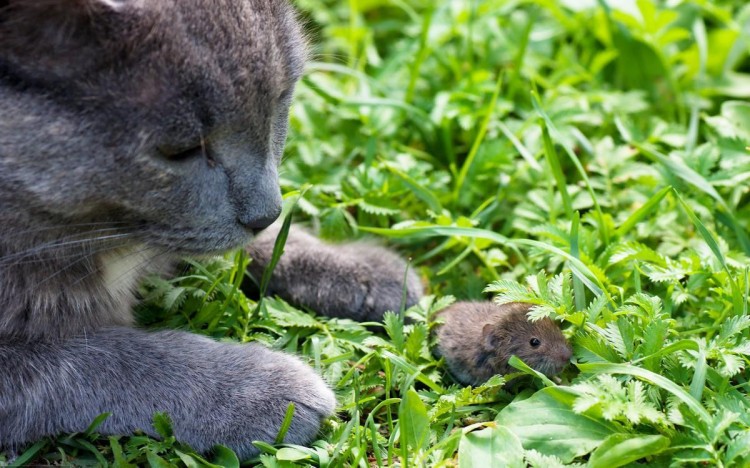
[(565, 353)]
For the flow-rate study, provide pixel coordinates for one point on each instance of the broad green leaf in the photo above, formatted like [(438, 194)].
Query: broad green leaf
[(414, 425), (155, 461), (192, 460), (621, 449), (547, 423), (488, 447), (291, 454), (225, 457)]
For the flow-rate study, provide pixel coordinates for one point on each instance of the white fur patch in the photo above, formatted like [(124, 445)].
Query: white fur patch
[(123, 268), (119, 5)]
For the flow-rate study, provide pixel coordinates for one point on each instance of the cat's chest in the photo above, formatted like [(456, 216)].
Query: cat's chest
[(121, 270)]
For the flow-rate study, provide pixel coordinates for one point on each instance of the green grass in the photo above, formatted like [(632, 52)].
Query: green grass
[(587, 159)]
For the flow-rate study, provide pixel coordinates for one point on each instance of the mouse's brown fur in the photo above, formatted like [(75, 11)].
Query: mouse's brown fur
[(477, 339)]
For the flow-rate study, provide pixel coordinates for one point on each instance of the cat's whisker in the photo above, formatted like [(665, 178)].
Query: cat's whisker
[(59, 257), (11, 259), (64, 243), (95, 269), (66, 227), (330, 57), (142, 264)]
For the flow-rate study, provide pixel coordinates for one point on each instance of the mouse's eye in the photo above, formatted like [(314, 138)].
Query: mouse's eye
[(534, 342)]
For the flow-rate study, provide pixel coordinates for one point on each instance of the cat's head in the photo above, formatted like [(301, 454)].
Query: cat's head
[(166, 118)]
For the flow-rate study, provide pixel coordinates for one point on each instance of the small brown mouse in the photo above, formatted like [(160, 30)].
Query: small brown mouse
[(477, 339)]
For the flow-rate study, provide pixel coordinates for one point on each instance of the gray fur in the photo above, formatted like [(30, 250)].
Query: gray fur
[(477, 339), (356, 280), (133, 132), (214, 392)]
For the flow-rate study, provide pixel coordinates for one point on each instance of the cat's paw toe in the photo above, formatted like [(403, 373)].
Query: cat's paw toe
[(262, 398)]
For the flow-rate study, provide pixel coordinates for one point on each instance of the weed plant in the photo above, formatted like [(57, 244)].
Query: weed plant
[(589, 157)]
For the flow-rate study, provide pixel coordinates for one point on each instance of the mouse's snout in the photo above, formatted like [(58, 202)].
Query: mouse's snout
[(564, 353)]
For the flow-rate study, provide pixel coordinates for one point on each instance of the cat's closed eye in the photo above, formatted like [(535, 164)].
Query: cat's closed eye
[(182, 153)]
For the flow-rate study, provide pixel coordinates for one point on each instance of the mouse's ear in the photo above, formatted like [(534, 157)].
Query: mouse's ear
[(489, 339)]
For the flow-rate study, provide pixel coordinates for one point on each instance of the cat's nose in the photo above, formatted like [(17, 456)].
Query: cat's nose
[(256, 196), (258, 224)]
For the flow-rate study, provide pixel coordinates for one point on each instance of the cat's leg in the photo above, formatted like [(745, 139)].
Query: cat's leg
[(356, 280), (215, 393)]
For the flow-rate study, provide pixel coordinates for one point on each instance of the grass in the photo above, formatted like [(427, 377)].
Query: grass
[(590, 159)]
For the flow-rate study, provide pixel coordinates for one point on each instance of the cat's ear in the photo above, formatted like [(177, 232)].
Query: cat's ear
[(60, 36), (64, 8), (113, 5)]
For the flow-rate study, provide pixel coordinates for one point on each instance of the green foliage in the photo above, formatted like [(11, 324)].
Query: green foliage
[(590, 158)]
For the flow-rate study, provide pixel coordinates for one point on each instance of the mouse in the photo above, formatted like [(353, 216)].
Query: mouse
[(477, 339)]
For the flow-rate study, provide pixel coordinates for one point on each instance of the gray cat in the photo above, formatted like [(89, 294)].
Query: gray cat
[(133, 132)]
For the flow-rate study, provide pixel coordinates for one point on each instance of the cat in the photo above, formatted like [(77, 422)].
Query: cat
[(132, 133)]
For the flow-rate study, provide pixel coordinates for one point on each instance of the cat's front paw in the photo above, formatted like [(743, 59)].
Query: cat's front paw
[(356, 280), (214, 392), (252, 396)]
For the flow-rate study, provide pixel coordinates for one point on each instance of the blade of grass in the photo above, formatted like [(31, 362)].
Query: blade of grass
[(693, 178), (579, 294), (516, 81), (522, 150), (421, 54), (699, 33), (592, 282), (709, 239), (554, 133), (642, 212), (554, 164), (278, 250), (418, 189), (678, 346), (285, 424), (412, 370), (28, 454), (479, 138), (682, 171), (699, 377)]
